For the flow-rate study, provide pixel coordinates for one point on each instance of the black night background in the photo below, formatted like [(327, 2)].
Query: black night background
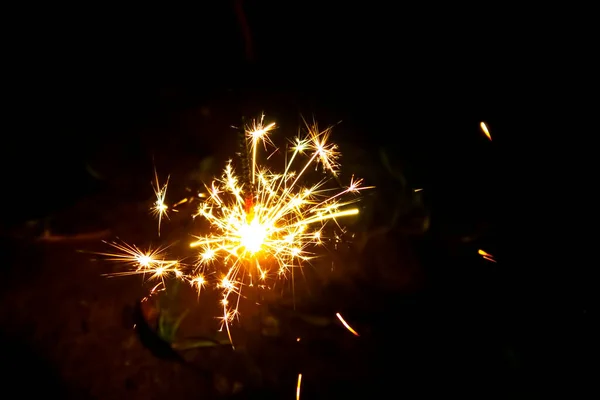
[(98, 98)]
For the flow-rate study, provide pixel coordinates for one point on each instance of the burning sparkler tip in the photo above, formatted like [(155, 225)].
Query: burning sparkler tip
[(260, 227)]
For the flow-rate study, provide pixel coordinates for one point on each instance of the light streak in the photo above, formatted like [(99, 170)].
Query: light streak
[(346, 324), (486, 255), (298, 386), (485, 130)]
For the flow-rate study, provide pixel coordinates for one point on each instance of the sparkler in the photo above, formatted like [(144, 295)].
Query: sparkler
[(263, 226)]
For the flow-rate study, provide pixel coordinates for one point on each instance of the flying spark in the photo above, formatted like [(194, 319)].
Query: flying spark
[(486, 256), (160, 209), (346, 325), (485, 130), (298, 385), (151, 262)]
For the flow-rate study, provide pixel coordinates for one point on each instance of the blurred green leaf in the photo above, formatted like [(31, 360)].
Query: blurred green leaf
[(168, 326), (195, 344)]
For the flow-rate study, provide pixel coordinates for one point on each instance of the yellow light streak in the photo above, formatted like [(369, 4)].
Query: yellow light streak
[(298, 386), (485, 130), (346, 324)]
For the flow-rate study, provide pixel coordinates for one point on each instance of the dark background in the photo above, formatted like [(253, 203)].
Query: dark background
[(117, 89), (413, 77)]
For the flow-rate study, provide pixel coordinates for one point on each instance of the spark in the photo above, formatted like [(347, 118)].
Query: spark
[(346, 324), (486, 255), (298, 386), (485, 130), (180, 202), (198, 282), (255, 133), (327, 153), (150, 262), (159, 208)]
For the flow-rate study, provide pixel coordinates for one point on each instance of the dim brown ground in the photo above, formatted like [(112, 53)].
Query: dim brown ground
[(70, 327), (80, 323)]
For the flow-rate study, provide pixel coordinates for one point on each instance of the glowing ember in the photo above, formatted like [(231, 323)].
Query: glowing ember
[(485, 130), (486, 256), (346, 325), (160, 208)]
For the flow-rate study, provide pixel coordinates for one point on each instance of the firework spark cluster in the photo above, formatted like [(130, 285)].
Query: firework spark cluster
[(264, 224)]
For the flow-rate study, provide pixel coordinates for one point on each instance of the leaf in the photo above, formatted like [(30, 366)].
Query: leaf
[(179, 320), (195, 344), (167, 328)]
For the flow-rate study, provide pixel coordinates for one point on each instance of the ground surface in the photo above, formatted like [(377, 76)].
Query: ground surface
[(432, 315), (70, 329)]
